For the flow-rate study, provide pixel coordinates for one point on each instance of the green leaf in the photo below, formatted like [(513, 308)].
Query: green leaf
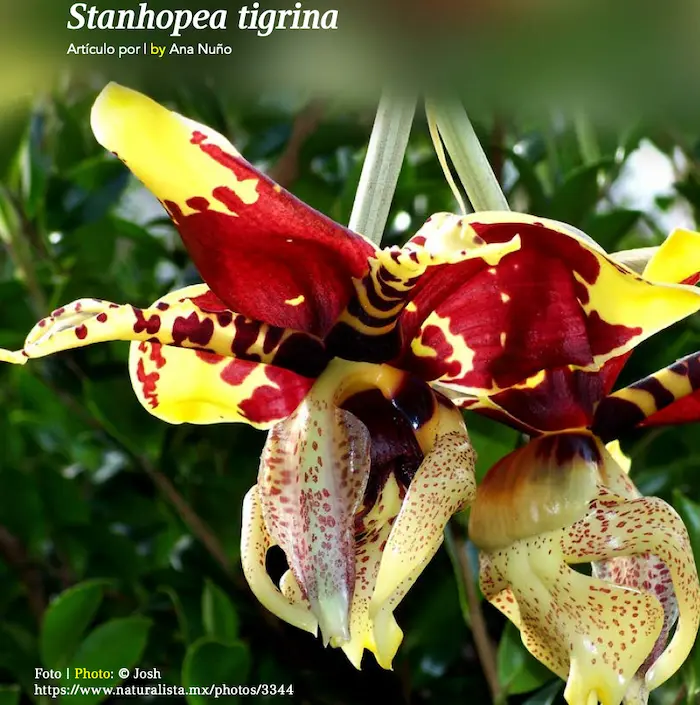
[(34, 164), (608, 229), (528, 180), (18, 653), (518, 670), (578, 195), (218, 614), (492, 441), (66, 620), (209, 662), (690, 513), (179, 611), (116, 644), (546, 695), (9, 694)]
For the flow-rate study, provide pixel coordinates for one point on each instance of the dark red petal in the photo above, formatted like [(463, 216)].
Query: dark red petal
[(264, 253)]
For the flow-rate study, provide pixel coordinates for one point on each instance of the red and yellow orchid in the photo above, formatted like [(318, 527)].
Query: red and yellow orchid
[(565, 498), (349, 354)]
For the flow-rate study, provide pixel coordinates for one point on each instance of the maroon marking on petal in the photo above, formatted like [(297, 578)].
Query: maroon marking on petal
[(208, 357), (101, 317), (564, 399), (246, 334), (582, 292), (42, 323), (148, 384), (228, 197), (198, 137), (533, 297), (237, 371), (210, 303), (162, 306), (150, 326), (268, 403), (156, 354), (606, 336), (174, 210), (58, 312), (191, 328), (272, 339), (305, 355), (81, 332), (350, 344), (251, 260), (692, 279), (224, 318), (114, 305), (198, 203)]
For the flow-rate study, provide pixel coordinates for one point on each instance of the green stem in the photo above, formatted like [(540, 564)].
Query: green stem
[(467, 155), (473, 616), (380, 171), (14, 238)]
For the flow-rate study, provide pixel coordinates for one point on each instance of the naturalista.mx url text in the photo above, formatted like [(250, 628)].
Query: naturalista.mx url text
[(212, 691)]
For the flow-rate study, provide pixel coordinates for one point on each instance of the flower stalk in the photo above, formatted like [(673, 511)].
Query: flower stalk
[(380, 171), (467, 155)]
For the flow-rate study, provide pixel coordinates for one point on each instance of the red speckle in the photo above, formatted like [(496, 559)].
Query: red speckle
[(228, 197), (198, 203), (198, 332), (208, 357), (237, 371), (148, 384), (157, 355), (81, 332), (151, 326), (101, 317)]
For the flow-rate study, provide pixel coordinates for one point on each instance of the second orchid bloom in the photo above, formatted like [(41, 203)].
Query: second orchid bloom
[(358, 359)]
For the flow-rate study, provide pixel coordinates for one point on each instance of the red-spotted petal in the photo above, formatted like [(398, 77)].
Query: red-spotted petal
[(313, 473), (266, 254), (193, 386), (555, 302), (189, 318), (192, 360)]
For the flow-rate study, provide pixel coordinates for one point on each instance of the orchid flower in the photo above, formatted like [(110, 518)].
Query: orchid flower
[(348, 354), (566, 498)]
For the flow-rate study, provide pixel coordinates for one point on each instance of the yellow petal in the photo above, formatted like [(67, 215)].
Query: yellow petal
[(442, 485), (255, 543), (676, 260), (153, 142)]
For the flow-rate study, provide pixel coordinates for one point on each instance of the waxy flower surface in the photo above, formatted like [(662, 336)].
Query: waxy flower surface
[(350, 355), (565, 499)]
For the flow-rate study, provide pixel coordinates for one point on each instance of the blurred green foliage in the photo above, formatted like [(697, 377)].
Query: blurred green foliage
[(119, 534)]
